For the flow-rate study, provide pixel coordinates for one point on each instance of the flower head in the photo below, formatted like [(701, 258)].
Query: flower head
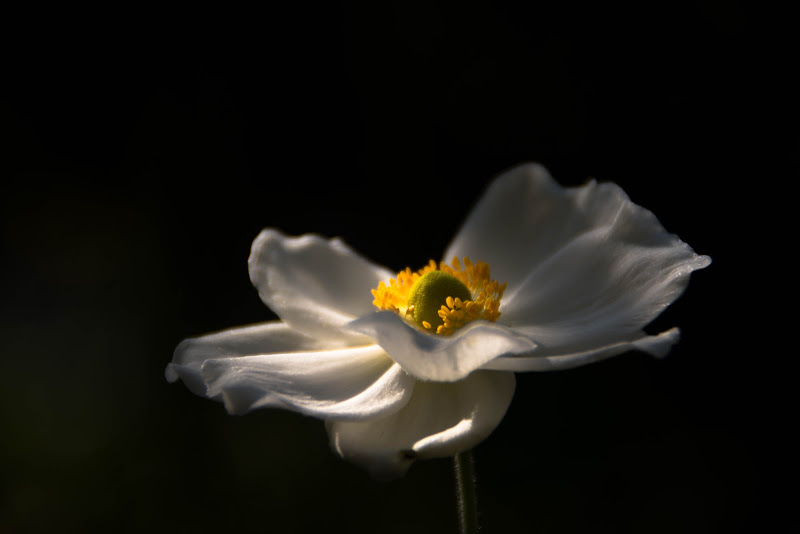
[(421, 364)]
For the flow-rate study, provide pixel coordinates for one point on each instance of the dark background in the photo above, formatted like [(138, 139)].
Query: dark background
[(142, 151)]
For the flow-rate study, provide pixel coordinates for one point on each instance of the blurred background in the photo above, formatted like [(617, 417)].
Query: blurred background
[(142, 151)]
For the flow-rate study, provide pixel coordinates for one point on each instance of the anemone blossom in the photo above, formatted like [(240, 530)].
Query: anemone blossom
[(420, 364)]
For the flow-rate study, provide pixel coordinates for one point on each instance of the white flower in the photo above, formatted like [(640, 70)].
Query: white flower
[(586, 270)]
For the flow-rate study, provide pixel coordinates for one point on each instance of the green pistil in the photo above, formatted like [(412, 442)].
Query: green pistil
[(429, 294)]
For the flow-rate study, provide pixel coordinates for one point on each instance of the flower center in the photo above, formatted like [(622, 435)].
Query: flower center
[(430, 293), (442, 300)]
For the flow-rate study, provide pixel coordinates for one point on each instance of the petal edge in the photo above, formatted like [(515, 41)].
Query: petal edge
[(658, 346), (441, 358)]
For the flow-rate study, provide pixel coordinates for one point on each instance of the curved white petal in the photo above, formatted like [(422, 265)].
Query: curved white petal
[(314, 284), (263, 338), (545, 360), (521, 219), (440, 358), (441, 419), (352, 383), (585, 266)]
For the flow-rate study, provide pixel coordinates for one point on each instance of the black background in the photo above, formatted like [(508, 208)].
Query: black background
[(142, 151)]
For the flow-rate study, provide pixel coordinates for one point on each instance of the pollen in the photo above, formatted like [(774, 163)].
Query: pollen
[(442, 298)]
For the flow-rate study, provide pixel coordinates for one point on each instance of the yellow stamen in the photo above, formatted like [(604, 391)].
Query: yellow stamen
[(453, 312)]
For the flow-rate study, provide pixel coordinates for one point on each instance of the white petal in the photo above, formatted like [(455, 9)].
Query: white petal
[(522, 218), (441, 419), (315, 285), (352, 383), (551, 361), (585, 266), (260, 338), (440, 358)]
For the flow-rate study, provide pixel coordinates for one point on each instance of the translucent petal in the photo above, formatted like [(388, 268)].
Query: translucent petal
[(522, 219), (352, 383), (315, 285), (440, 420), (441, 358)]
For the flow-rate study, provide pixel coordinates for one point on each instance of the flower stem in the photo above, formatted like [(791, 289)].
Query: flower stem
[(465, 488)]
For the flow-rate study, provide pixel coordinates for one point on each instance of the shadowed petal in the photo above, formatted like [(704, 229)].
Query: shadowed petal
[(525, 218), (441, 419), (440, 358), (352, 383), (315, 285)]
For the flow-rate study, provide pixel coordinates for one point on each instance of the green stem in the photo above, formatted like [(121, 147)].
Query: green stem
[(465, 488)]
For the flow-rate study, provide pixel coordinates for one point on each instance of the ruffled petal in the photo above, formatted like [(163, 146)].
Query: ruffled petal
[(440, 358), (263, 338), (585, 266), (315, 285), (351, 384), (549, 360), (440, 420)]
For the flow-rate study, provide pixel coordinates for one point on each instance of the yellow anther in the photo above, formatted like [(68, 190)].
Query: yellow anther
[(442, 300)]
